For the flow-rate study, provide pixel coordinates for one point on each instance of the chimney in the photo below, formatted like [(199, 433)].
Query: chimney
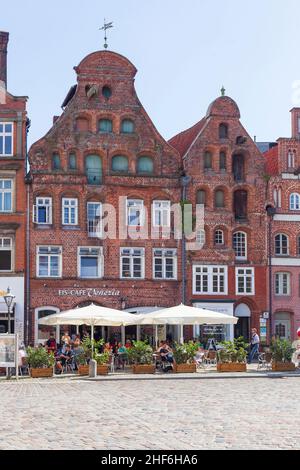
[(3, 57), (295, 112)]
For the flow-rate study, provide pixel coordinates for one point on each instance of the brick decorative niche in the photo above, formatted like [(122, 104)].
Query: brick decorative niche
[(232, 367), (185, 368), (143, 369), (283, 367), (39, 373)]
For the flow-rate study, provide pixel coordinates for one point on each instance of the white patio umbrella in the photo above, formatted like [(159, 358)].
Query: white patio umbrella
[(185, 315)]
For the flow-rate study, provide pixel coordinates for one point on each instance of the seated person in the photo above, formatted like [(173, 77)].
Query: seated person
[(199, 356), (63, 358), (107, 348), (128, 344), (51, 345), (166, 353), (121, 356), (76, 341)]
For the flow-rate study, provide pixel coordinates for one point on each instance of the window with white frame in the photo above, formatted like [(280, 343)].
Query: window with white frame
[(211, 280), (282, 284), (240, 245), (94, 219), (164, 264), (135, 212), (90, 262), (42, 211), (161, 211), (295, 202), (132, 263), (49, 261), (281, 245), (219, 237), (291, 158), (200, 238), (6, 254), (6, 195), (6, 139), (69, 211), (244, 281)]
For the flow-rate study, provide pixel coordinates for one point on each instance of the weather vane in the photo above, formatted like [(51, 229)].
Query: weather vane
[(105, 28)]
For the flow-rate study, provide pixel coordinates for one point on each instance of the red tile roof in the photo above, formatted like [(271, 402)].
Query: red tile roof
[(271, 157), (183, 141)]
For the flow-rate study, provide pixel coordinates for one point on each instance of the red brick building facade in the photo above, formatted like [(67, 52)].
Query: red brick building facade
[(13, 132), (102, 148), (227, 176)]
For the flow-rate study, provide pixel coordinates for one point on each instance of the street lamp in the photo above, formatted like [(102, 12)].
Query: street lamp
[(9, 298)]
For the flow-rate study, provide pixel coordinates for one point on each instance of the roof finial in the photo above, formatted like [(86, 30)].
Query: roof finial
[(105, 28), (223, 91)]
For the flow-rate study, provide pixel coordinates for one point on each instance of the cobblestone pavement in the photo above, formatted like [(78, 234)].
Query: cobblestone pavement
[(204, 414)]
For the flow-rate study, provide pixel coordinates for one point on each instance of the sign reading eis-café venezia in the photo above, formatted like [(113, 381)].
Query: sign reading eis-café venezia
[(88, 292)]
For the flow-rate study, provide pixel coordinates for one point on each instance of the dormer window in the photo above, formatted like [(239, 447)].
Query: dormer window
[(6, 139), (223, 131)]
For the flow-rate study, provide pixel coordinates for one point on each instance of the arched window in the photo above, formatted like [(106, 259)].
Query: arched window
[(72, 161), (105, 126), (56, 162), (238, 167), (291, 158), (223, 131), (119, 163), (222, 161), (200, 237), (93, 166), (281, 245), (219, 199), (240, 245), (240, 204), (106, 92), (207, 160), (127, 126), (219, 237), (201, 197), (295, 202), (145, 165)]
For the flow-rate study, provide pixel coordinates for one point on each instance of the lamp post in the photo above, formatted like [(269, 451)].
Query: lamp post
[(9, 298)]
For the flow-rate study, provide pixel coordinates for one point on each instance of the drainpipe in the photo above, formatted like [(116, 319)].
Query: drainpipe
[(185, 180), (27, 268), (271, 211)]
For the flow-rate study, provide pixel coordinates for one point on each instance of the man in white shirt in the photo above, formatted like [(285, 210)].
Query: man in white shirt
[(254, 345)]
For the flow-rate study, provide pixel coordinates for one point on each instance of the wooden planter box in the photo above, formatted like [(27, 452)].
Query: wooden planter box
[(232, 367), (185, 368), (143, 369), (37, 373), (84, 370), (283, 367), (102, 370)]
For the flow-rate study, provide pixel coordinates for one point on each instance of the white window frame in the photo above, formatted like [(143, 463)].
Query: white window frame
[(208, 270), (135, 204), (280, 277), (5, 134), (291, 158), (295, 202), (4, 191), (164, 254), (244, 274), (164, 207), (8, 248), (49, 254), (97, 223), (67, 204), (281, 245), (219, 231), (91, 255), (48, 210), (131, 255), (200, 238), (238, 257)]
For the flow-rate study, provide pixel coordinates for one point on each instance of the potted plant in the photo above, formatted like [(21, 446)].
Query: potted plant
[(83, 359), (233, 355), (184, 358), (40, 362), (102, 360), (82, 363), (282, 352), (141, 358)]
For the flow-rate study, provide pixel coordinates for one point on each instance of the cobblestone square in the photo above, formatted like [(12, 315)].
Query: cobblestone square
[(170, 415)]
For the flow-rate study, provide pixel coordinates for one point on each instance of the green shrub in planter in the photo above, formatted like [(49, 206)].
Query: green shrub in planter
[(141, 353), (233, 351), (282, 350), (39, 358), (185, 353), (102, 358)]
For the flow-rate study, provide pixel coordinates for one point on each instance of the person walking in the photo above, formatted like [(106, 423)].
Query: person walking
[(254, 345)]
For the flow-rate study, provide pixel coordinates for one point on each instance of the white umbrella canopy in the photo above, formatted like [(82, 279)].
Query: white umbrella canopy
[(91, 315), (185, 315)]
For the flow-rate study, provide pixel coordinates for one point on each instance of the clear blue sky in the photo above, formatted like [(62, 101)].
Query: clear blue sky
[(184, 52)]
